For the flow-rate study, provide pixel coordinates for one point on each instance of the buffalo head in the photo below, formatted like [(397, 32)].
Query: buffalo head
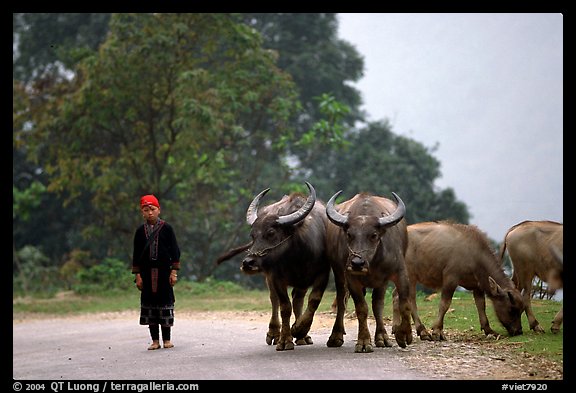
[(273, 227), (508, 306), (364, 226)]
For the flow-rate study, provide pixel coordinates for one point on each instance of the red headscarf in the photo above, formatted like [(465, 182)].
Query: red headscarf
[(147, 200)]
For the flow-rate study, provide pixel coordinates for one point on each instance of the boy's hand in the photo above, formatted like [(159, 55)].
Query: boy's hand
[(139, 283), (173, 278)]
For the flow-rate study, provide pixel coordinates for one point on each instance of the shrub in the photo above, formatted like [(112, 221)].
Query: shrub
[(108, 276), (35, 275)]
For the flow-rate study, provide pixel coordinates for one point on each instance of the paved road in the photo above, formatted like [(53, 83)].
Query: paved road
[(205, 349)]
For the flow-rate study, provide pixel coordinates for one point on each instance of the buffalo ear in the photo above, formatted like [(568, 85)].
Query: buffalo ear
[(495, 289)]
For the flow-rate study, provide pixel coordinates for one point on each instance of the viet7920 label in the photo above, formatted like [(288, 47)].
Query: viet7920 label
[(524, 386)]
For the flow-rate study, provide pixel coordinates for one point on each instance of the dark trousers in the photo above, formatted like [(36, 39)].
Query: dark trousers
[(155, 333)]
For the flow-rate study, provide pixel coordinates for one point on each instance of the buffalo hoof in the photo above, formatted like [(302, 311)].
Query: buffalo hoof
[(555, 329), (304, 341), (424, 335), (285, 346), (492, 333), (335, 342), (538, 329), (382, 341), (488, 330), (272, 338), (363, 348), (409, 338), (402, 340), (438, 336), (301, 329)]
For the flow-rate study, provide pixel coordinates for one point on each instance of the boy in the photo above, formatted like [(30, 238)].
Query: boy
[(155, 262)]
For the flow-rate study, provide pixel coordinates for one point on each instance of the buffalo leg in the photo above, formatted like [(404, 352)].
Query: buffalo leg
[(298, 296), (524, 284), (402, 327), (303, 322), (557, 322), (273, 334), (364, 341), (286, 340), (381, 338), (480, 301), (445, 300), (336, 338), (334, 306), (418, 325)]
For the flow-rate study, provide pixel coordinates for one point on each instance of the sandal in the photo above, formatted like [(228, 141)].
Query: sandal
[(155, 345), (168, 344)]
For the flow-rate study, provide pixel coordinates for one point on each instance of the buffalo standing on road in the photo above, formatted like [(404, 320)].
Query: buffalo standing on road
[(367, 244), (288, 247)]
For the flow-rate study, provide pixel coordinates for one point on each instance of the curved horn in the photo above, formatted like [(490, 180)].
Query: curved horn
[(396, 216), (252, 211), (301, 213), (333, 215)]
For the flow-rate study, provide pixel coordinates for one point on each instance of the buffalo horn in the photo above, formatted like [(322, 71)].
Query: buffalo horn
[(333, 215), (396, 216), (252, 211), (293, 218)]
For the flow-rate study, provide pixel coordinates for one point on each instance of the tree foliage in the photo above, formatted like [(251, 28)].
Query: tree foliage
[(378, 161), (49, 42), (310, 50), (203, 110), (193, 118)]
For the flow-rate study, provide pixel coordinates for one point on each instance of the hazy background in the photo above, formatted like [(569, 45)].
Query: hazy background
[(487, 89)]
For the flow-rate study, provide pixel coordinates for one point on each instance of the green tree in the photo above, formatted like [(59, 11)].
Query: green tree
[(201, 110), (54, 42), (181, 105), (37, 274), (324, 68), (304, 43), (378, 161), (320, 63), (46, 47)]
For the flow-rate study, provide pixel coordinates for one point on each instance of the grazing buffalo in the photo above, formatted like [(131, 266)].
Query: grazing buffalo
[(366, 245), (531, 245), (444, 255), (288, 248)]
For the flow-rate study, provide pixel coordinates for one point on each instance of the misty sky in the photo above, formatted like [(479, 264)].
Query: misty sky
[(488, 89)]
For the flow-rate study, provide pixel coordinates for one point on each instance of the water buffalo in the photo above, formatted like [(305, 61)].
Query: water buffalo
[(556, 275), (444, 255), (288, 248), (367, 242), (529, 246)]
